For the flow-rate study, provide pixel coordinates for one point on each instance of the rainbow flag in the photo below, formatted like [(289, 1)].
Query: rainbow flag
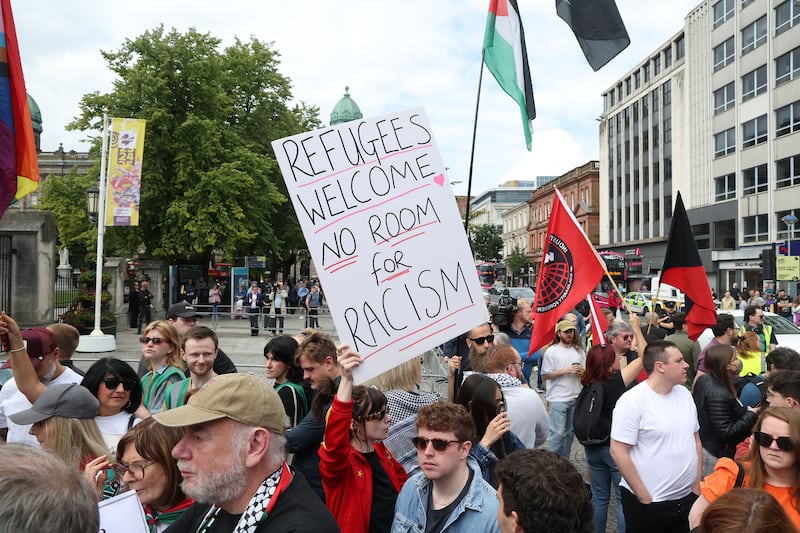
[(19, 168)]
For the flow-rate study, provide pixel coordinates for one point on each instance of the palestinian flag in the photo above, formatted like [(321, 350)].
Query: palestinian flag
[(505, 55), (19, 167), (684, 270), (598, 27)]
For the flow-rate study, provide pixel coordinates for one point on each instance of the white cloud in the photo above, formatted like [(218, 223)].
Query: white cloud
[(393, 55)]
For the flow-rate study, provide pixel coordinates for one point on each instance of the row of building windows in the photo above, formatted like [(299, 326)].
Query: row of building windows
[(755, 34), (756, 179), (786, 14), (754, 131), (754, 83), (647, 71)]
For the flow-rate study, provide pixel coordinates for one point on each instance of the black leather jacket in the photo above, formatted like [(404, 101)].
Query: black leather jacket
[(724, 421)]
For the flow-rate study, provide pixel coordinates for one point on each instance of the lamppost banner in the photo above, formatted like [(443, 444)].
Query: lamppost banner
[(125, 171)]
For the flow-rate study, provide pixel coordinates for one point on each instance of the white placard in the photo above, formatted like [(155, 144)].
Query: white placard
[(122, 514), (383, 227)]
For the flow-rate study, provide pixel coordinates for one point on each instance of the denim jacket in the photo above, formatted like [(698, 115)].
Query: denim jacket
[(487, 459), (476, 512)]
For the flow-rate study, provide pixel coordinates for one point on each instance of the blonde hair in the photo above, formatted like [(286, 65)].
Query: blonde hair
[(76, 439), (171, 334), (403, 377)]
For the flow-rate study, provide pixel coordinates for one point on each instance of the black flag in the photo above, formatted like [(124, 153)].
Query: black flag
[(598, 27)]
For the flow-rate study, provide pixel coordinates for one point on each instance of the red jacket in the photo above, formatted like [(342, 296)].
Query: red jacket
[(346, 474)]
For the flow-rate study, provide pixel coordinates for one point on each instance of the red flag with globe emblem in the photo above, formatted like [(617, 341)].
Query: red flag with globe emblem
[(561, 285)]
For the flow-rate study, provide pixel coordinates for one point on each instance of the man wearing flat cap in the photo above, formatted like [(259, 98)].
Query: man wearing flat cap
[(232, 462), (41, 346)]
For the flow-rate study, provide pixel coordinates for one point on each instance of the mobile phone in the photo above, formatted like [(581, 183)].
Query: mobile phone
[(5, 343)]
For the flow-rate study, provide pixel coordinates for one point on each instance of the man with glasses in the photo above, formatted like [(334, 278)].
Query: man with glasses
[(41, 346), (450, 493), (754, 321), (655, 442), (528, 416), (479, 340)]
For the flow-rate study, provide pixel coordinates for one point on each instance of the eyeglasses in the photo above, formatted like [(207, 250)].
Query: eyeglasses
[(626, 337), (136, 469), (154, 340), (377, 415), (439, 445), (765, 440), (112, 383), (481, 340)]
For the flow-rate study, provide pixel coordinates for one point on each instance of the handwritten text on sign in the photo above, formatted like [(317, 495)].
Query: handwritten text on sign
[(385, 233)]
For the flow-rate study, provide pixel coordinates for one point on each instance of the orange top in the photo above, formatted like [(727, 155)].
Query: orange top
[(724, 478)]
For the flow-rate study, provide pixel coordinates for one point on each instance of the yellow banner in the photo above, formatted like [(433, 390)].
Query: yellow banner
[(124, 171)]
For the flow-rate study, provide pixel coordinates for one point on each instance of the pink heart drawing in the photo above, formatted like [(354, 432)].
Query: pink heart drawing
[(439, 180)]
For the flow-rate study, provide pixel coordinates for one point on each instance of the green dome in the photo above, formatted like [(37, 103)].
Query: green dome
[(36, 114), (345, 109)]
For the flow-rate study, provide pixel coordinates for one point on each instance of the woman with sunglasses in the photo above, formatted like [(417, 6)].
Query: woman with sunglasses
[(493, 440), (118, 389), (772, 466), (360, 476), (724, 421), (145, 464), (161, 350)]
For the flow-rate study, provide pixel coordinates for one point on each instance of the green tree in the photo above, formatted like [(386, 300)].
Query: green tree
[(515, 261), (65, 197), (209, 177), (486, 242)]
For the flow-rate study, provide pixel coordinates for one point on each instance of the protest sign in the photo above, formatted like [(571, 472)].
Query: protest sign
[(122, 514), (382, 225)]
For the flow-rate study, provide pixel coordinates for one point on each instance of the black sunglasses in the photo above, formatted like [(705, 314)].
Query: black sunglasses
[(154, 340), (481, 340), (765, 440), (439, 445), (112, 383)]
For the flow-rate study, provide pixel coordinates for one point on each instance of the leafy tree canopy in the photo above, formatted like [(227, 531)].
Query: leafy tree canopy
[(209, 177), (515, 261), (486, 242)]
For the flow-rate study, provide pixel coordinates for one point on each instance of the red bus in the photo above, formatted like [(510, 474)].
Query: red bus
[(488, 273), (617, 266)]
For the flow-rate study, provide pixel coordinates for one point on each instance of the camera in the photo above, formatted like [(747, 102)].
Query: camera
[(502, 310)]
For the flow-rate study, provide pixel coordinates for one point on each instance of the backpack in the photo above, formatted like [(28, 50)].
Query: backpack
[(589, 427), (750, 389)]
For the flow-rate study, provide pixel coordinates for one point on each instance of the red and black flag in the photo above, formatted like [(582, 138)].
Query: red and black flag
[(598, 27), (560, 285), (684, 270)]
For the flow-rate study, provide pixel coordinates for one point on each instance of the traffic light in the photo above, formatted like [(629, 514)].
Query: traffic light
[(767, 256), (783, 249)]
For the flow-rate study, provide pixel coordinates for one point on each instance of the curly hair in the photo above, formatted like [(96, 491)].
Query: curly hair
[(546, 491), (445, 417)]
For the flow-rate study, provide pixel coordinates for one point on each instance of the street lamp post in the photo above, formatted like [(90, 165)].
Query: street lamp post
[(97, 341)]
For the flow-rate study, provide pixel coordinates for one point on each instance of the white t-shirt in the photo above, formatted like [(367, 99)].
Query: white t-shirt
[(13, 401), (661, 431), (113, 427), (567, 387), (529, 420)]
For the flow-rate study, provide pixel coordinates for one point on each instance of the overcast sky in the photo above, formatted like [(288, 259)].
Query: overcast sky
[(393, 55)]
